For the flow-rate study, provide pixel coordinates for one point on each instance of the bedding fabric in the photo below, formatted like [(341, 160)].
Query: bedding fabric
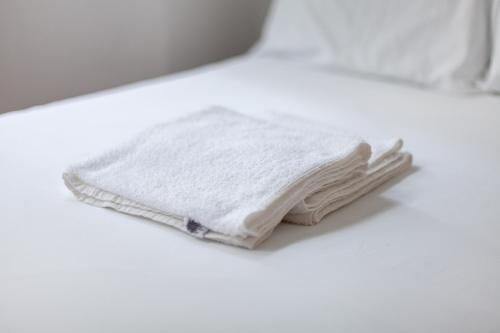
[(493, 80), (438, 43), (418, 254)]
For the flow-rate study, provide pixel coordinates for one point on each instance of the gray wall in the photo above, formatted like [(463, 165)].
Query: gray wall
[(53, 49)]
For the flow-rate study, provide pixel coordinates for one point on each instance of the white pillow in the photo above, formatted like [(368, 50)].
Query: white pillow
[(441, 43), (493, 80)]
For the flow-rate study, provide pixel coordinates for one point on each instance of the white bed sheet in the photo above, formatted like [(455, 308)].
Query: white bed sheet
[(419, 255)]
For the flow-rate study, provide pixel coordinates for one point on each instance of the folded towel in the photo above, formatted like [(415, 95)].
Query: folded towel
[(224, 176), (385, 163)]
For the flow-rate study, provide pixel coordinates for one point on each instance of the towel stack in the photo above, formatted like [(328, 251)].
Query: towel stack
[(385, 162), (225, 176)]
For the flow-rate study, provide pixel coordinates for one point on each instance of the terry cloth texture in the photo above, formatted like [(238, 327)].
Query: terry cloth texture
[(221, 175)]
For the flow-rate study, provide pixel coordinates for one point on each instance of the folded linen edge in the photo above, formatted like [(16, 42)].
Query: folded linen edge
[(95, 196), (280, 208), (100, 198)]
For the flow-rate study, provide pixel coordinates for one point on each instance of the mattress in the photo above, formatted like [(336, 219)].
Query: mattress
[(420, 254)]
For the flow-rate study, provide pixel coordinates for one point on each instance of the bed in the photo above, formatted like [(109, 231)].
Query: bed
[(420, 254)]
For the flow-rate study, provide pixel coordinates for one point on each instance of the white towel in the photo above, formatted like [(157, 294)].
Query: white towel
[(221, 175), (385, 163)]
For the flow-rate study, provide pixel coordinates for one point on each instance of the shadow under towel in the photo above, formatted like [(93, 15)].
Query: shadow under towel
[(220, 175)]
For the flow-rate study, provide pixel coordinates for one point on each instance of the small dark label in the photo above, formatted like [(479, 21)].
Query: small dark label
[(195, 228)]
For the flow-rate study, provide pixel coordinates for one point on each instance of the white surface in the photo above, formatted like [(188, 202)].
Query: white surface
[(442, 43), (421, 255)]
